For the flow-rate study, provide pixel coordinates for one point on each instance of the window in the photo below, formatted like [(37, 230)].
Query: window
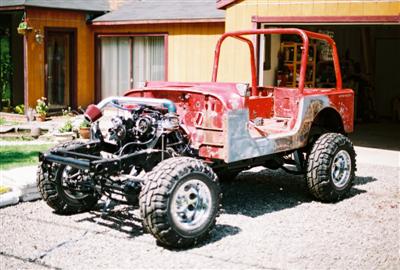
[(129, 61)]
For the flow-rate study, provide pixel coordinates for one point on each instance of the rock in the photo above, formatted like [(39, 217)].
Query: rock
[(9, 198)]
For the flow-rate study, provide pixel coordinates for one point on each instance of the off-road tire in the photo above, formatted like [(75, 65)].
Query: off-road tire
[(53, 193), (320, 161), (156, 200)]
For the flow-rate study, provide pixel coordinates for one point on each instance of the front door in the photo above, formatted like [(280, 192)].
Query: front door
[(60, 68)]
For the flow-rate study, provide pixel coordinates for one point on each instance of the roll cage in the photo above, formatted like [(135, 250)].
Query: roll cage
[(305, 36)]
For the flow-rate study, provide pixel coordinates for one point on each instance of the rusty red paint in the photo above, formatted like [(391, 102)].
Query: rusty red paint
[(278, 114)]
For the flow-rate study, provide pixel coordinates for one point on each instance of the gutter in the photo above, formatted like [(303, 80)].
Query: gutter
[(151, 21)]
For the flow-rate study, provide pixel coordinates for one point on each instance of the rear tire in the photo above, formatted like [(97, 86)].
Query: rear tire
[(180, 201), (331, 167)]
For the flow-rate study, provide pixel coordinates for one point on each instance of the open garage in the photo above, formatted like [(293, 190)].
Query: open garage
[(369, 56)]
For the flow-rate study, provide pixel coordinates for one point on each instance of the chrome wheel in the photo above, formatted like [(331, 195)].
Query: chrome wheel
[(71, 180), (341, 169), (191, 205)]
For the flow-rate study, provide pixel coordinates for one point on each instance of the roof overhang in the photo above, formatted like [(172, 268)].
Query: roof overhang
[(48, 5), (394, 19), (158, 21), (12, 8), (222, 4)]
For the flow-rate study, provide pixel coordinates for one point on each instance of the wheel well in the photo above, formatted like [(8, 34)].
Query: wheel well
[(327, 120)]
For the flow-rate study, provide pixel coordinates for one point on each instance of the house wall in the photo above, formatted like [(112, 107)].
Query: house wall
[(38, 19), (190, 46), (190, 49), (235, 59)]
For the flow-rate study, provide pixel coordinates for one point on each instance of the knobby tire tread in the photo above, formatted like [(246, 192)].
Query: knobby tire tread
[(155, 196), (319, 166)]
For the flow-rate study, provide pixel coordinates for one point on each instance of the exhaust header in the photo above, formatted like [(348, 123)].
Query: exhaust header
[(94, 112)]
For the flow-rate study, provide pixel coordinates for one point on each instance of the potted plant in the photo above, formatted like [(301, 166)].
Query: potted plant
[(23, 27), (41, 109), (67, 127), (84, 129), (64, 132)]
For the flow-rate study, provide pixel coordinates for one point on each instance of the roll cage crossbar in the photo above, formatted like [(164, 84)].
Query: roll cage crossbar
[(305, 36)]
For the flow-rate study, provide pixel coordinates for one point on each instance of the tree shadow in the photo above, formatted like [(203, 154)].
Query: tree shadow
[(257, 193)]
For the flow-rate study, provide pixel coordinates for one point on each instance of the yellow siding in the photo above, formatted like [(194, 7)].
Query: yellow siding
[(190, 50), (190, 46), (238, 17)]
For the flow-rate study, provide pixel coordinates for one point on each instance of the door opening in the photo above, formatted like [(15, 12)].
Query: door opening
[(60, 54)]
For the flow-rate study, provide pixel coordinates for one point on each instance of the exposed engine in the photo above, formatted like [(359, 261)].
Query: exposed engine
[(146, 123), (148, 127), (137, 125)]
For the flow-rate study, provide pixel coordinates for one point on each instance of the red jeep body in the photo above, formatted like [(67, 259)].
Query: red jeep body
[(234, 121)]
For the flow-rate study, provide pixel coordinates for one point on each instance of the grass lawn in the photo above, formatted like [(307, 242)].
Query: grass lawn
[(12, 156)]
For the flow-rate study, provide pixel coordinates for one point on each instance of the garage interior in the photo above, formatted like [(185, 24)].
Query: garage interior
[(370, 64)]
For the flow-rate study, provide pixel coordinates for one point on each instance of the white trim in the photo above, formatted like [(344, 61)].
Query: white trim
[(278, 3)]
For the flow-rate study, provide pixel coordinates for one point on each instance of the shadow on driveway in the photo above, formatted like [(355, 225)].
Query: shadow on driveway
[(257, 193), (252, 194), (124, 218)]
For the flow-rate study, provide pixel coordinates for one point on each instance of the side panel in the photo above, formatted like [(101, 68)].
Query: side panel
[(242, 143), (219, 131), (343, 103)]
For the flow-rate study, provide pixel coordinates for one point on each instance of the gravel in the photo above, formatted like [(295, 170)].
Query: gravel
[(268, 221)]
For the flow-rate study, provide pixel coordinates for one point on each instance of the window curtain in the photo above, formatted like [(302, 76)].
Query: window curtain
[(148, 60), (115, 66), (118, 73)]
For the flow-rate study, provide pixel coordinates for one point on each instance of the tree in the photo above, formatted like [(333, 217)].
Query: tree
[(5, 75)]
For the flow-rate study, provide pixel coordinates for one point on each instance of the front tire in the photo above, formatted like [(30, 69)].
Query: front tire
[(53, 182), (331, 167), (180, 201)]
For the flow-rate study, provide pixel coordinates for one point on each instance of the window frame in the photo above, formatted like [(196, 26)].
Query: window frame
[(98, 57)]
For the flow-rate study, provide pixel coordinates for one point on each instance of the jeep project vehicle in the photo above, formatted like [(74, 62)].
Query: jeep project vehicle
[(170, 143)]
